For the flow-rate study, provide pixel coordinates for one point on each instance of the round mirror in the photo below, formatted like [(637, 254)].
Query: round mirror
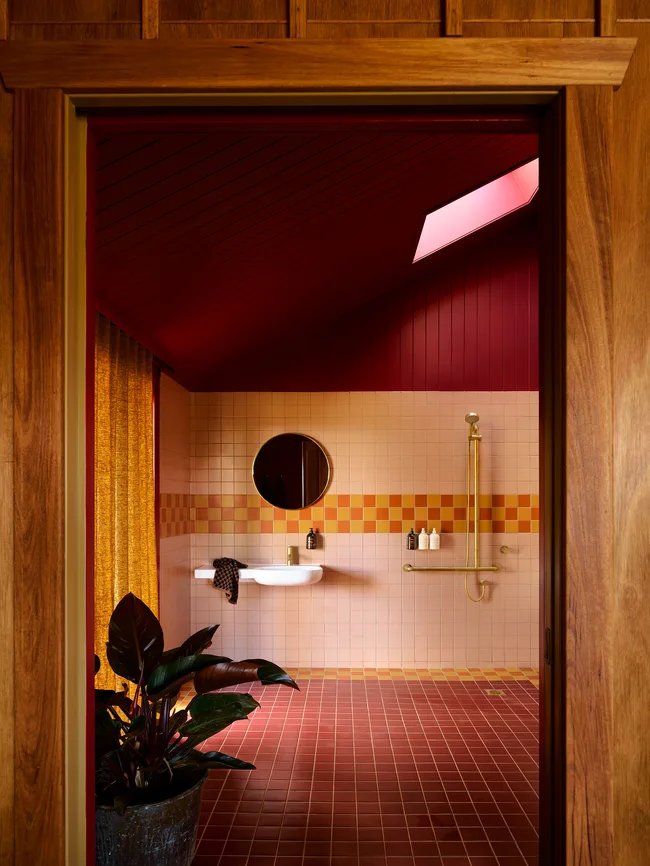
[(291, 471)]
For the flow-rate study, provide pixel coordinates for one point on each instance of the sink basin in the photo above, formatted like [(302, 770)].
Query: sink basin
[(272, 575)]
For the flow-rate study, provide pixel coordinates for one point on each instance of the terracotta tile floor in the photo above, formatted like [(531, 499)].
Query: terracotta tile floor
[(372, 772)]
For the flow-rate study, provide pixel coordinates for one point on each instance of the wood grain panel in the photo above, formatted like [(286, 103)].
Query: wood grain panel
[(606, 17), (39, 479), (297, 19), (4, 20), (73, 32), (453, 17), (513, 29), (373, 30), (632, 10), (223, 10), (631, 212), (223, 30), (150, 19), (589, 512), (374, 10), (6, 483), (79, 11), (304, 63), (528, 10)]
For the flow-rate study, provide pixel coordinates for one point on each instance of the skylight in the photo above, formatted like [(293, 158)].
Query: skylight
[(478, 208)]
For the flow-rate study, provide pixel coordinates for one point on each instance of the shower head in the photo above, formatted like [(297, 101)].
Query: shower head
[(472, 418)]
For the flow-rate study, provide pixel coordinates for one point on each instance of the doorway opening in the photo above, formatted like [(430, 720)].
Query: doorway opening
[(266, 258)]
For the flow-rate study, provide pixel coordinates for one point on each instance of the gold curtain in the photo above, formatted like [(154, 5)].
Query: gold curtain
[(125, 519)]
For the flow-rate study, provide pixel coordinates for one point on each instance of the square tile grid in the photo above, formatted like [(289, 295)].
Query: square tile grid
[(378, 772)]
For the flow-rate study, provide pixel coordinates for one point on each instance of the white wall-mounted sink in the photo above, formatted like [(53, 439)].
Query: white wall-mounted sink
[(272, 575)]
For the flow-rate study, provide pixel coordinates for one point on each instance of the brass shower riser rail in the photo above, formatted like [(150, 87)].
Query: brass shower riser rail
[(408, 567)]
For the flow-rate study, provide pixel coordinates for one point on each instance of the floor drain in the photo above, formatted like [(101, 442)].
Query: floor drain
[(496, 692)]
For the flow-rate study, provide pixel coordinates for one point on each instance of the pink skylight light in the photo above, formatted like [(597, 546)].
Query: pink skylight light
[(479, 208)]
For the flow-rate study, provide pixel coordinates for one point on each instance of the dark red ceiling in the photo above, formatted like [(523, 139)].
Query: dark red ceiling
[(220, 240)]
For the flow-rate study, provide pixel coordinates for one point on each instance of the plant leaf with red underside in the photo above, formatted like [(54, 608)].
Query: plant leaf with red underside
[(135, 639), (226, 674)]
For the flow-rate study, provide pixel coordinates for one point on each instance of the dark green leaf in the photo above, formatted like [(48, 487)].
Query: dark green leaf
[(170, 676), (225, 674), (107, 733), (105, 698), (135, 639), (215, 703), (194, 645), (136, 726), (211, 760), (208, 724)]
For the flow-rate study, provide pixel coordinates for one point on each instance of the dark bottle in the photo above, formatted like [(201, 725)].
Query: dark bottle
[(311, 540), (411, 541)]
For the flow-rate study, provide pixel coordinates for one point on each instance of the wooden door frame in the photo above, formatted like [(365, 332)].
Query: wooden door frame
[(43, 84)]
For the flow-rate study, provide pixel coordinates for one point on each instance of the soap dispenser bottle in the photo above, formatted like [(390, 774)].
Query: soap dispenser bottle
[(434, 540), (411, 540), (423, 540), (311, 540)]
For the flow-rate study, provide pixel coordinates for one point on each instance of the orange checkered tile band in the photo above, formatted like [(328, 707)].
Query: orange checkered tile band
[(174, 514), (370, 513)]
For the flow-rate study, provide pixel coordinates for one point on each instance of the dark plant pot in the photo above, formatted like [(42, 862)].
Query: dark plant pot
[(153, 834)]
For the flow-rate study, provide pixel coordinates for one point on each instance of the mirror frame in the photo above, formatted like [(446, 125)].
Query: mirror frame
[(305, 436)]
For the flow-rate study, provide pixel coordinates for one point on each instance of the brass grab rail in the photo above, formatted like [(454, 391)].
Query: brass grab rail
[(408, 567)]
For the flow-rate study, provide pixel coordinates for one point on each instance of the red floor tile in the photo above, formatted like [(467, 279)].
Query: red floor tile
[(378, 773)]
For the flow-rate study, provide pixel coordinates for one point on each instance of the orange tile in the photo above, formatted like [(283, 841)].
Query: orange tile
[(524, 526), (534, 513), (524, 500), (343, 525), (485, 513), (511, 514), (267, 526), (344, 500), (447, 500), (214, 500), (408, 513), (293, 526), (228, 513), (420, 500), (331, 513), (369, 500), (253, 513), (305, 513), (447, 525), (395, 525), (459, 514), (498, 500), (240, 500), (382, 514), (356, 513), (318, 526), (433, 513), (395, 500), (369, 526), (279, 514), (498, 526), (241, 527)]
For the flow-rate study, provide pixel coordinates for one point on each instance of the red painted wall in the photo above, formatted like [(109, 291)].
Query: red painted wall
[(467, 322)]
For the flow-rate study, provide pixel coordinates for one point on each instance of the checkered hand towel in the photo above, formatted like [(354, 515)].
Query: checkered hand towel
[(226, 577)]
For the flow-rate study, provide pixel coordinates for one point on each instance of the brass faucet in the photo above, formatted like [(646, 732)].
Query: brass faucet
[(292, 559)]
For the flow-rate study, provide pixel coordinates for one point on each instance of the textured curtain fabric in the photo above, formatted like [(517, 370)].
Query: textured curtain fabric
[(125, 528)]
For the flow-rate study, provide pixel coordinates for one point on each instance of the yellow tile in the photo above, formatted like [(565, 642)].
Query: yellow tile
[(318, 514), (253, 501), (228, 526), (214, 514), (356, 500), (459, 500), (534, 525), (534, 500), (395, 513), (344, 513), (421, 513), (254, 527), (201, 500), (331, 526), (241, 513), (433, 500), (228, 500), (512, 500), (446, 513), (356, 526), (498, 514), (304, 525), (382, 500), (369, 513), (524, 513), (201, 526), (266, 514), (383, 526), (485, 500), (407, 525), (485, 525), (408, 500), (460, 526), (279, 527), (512, 526), (293, 515), (331, 500)]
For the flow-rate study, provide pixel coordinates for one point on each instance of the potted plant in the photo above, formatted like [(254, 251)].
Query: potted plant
[(149, 769)]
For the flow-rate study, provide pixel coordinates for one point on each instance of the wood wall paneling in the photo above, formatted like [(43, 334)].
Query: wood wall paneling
[(228, 19), (348, 65), (39, 479), (606, 17), (589, 513), (150, 19), (4, 19), (631, 213), (6, 483), (297, 19), (82, 20), (453, 17)]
